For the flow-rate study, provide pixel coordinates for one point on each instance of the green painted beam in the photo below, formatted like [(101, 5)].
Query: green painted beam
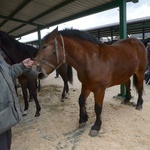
[(123, 35), (21, 6), (41, 15), (97, 9), (39, 38), (66, 2), (18, 20)]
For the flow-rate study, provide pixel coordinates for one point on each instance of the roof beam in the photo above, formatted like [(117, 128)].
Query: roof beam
[(45, 13), (17, 20), (22, 5), (97, 9), (53, 9)]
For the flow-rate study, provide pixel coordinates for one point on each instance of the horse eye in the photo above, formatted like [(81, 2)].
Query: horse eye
[(44, 46)]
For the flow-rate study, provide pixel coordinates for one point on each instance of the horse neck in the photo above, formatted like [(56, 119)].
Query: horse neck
[(22, 51), (73, 52)]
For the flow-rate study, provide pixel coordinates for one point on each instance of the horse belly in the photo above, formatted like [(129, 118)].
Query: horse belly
[(123, 74)]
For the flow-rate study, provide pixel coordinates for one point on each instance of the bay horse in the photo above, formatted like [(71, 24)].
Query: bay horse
[(17, 52), (98, 65)]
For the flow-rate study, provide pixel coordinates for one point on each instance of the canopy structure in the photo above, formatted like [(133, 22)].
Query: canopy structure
[(135, 26), (21, 17), (139, 26)]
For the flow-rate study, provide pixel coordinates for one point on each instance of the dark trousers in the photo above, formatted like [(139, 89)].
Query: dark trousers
[(5, 140)]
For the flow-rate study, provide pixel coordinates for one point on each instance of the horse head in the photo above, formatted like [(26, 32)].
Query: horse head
[(50, 55)]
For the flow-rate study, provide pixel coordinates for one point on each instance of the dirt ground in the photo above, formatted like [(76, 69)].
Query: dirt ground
[(123, 127)]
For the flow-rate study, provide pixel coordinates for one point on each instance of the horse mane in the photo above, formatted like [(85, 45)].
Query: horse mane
[(75, 33), (79, 34)]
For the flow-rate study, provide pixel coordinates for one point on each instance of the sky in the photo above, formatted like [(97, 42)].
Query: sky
[(134, 11)]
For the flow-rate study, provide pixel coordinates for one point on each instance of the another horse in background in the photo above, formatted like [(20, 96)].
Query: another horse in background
[(145, 41), (99, 66), (17, 52)]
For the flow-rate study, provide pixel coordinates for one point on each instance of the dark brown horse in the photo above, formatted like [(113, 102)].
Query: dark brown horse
[(16, 52), (146, 41), (98, 66)]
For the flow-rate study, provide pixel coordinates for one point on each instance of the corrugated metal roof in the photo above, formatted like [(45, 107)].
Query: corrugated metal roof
[(134, 26), (20, 17)]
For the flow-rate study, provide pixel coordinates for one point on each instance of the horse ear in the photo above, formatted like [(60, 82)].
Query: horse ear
[(54, 32)]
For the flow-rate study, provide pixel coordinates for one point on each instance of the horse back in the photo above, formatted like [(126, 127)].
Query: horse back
[(127, 57), (132, 47)]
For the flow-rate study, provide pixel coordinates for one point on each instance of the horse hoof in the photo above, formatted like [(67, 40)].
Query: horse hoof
[(24, 113), (81, 125), (31, 100), (133, 104), (138, 107), (67, 95), (93, 133), (62, 100), (37, 115)]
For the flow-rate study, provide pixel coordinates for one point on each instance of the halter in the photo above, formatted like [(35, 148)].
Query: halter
[(55, 51)]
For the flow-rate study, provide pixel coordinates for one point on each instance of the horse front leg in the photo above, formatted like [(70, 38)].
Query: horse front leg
[(98, 96), (25, 97), (32, 88), (82, 113), (128, 93), (65, 91)]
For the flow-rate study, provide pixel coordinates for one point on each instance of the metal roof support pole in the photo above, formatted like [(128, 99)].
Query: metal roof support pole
[(123, 35), (111, 31), (99, 35), (39, 38), (143, 33)]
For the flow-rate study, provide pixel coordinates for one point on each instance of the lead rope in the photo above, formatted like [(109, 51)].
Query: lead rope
[(56, 48), (63, 44), (64, 51)]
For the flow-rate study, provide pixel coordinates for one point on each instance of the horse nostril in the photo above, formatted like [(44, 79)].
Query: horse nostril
[(41, 75)]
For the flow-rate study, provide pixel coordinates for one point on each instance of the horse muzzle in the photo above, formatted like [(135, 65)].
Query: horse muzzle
[(38, 73)]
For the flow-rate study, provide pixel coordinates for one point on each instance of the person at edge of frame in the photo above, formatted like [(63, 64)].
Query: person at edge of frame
[(10, 110)]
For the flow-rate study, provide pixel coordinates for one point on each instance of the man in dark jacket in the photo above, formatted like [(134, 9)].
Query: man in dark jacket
[(10, 110), (147, 73)]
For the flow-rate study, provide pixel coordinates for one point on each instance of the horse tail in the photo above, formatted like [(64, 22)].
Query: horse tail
[(70, 74), (135, 83)]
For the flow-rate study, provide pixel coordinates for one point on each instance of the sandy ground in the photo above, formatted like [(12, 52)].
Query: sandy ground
[(123, 127)]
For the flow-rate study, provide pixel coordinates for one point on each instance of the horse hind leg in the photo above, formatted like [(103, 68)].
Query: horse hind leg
[(128, 93), (30, 96), (138, 83)]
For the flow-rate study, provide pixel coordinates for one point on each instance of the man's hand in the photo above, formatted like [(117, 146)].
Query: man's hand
[(28, 62)]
